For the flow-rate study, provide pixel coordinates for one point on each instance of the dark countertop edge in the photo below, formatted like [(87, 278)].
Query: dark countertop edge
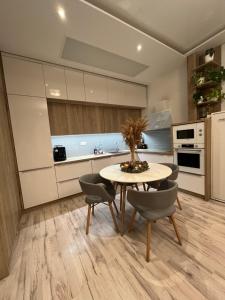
[(110, 155)]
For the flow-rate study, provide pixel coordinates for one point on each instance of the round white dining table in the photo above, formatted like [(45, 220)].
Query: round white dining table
[(113, 173)]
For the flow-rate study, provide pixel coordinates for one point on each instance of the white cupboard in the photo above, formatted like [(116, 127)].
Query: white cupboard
[(55, 83), (135, 95), (95, 88), (68, 188), (155, 158), (100, 163), (72, 170), (116, 92), (218, 151), (23, 77), (31, 132), (38, 186), (75, 85)]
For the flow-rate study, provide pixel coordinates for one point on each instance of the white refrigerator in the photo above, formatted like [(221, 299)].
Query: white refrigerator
[(218, 156)]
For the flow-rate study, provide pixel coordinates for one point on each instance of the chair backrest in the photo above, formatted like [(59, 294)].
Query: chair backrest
[(162, 199), (94, 184), (175, 170)]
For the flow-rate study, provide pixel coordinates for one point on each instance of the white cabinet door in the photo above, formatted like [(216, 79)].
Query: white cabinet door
[(75, 85), (31, 132), (156, 158), (191, 182), (218, 151), (55, 82), (135, 95), (117, 159), (23, 77), (100, 163), (95, 88), (116, 92), (68, 188), (38, 186), (72, 170)]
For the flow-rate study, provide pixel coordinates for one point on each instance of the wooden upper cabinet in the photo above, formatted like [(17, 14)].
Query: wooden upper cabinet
[(23, 77), (55, 83), (75, 118), (116, 92), (93, 119), (95, 88), (111, 119), (58, 119), (135, 95), (75, 85)]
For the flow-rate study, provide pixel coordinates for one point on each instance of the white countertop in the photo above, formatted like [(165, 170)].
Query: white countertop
[(107, 154)]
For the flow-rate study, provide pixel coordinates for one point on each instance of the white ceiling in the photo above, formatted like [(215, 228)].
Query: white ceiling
[(182, 24), (32, 28)]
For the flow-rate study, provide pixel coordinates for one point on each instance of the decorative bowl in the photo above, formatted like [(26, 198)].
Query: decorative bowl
[(136, 167)]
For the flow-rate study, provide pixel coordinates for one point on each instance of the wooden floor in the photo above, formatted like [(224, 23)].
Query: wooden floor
[(54, 259)]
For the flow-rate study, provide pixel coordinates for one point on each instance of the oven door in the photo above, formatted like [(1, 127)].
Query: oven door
[(184, 134), (190, 160)]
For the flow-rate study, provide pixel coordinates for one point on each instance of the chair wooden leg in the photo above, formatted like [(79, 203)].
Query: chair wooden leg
[(144, 187), (88, 219), (132, 220), (175, 228), (148, 246), (148, 187), (178, 202), (136, 186), (122, 215), (113, 216), (93, 209), (114, 204)]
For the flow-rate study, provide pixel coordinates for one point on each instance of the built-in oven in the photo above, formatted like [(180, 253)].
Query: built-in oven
[(189, 133), (190, 160)]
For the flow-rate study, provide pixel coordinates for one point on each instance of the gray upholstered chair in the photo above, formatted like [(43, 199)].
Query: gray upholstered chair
[(97, 190), (173, 176), (153, 206)]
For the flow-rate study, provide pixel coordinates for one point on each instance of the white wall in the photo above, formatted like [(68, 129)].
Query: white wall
[(170, 92)]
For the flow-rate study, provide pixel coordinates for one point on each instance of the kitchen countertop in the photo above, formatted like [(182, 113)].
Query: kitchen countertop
[(107, 154)]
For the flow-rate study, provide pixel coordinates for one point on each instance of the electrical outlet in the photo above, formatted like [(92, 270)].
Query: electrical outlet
[(83, 143)]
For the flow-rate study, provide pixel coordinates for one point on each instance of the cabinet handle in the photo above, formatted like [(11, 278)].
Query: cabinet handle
[(36, 169), (223, 119)]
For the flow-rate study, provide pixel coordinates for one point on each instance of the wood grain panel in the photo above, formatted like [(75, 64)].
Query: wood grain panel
[(93, 119), (111, 119), (54, 259), (10, 199), (58, 118), (75, 118), (191, 64)]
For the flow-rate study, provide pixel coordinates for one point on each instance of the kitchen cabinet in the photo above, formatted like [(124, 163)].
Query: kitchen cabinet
[(72, 170), (68, 188), (95, 88), (75, 118), (135, 95), (116, 92), (31, 131), (23, 77), (38, 186), (75, 85), (59, 123), (191, 182), (55, 83), (117, 159), (100, 163), (155, 158), (93, 119), (111, 119)]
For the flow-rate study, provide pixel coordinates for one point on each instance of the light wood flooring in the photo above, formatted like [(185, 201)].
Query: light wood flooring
[(54, 259)]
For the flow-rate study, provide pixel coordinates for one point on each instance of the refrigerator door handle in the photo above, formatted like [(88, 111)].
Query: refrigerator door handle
[(223, 119)]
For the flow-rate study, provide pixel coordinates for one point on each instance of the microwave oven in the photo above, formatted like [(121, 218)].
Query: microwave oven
[(193, 133)]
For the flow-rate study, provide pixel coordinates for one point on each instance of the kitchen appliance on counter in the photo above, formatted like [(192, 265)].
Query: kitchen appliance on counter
[(217, 156), (142, 144), (59, 153)]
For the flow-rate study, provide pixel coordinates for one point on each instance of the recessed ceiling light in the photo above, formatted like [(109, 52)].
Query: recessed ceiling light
[(139, 47), (61, 12)]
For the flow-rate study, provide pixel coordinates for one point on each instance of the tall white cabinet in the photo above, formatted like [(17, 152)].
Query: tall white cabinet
[(218, 152)]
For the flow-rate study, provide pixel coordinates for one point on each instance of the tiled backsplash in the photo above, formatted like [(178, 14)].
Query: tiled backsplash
[(85, 143)]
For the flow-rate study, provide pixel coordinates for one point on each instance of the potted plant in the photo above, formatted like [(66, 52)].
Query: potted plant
[(198, 78), (198, 97), (131, 131), (209, 55), (215, 95)]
